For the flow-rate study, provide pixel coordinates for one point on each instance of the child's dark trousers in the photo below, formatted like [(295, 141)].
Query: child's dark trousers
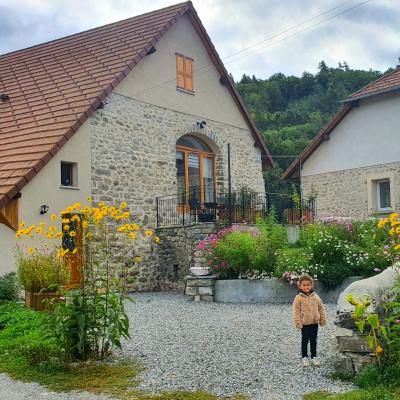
[(309, 333)]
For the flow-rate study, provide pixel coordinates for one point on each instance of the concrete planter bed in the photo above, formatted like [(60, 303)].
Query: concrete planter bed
[(272, 290)]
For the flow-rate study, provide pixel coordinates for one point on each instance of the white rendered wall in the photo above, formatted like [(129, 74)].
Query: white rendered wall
[(367, 136), (210, 100), (45, 188)]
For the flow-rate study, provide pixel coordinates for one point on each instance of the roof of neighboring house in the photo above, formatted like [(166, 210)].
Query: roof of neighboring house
[(55, 86), (389, 82)]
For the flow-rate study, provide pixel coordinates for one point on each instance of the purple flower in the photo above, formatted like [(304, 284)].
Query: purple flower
[(377, 270)]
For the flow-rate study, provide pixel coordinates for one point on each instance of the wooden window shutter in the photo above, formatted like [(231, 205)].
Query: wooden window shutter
[(184, 73), (188, 74), (180, 71)]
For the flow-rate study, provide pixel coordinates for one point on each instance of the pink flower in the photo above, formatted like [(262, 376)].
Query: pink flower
[(397, 321), (377, 270)]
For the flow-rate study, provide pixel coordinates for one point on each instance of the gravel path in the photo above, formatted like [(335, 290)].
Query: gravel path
[(225, 348), (219, 348)]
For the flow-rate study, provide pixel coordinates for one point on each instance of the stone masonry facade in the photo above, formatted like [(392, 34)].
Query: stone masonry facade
[(345, 193), (133, 160)]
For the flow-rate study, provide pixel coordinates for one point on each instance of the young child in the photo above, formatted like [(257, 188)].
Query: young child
[(308, 312)]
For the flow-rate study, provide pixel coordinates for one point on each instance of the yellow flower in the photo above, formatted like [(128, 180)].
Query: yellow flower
[(127, 214), (148, 233), (49, 236), (123, 205), (53, 217), (42, 224), (374, 236), (22, 224), (138, 259), (72, 234), (76, 206), (398, 230), (31, 250), (394, 223), (39, 230), (89, 199), (75, 218), (85, 224), (119, 217), (379, 349), (132, 236), (121, 229), (59, 234), (61, 252), (136, 227), (394, 216), (89, 235), (392, 232), (112, 209), (397, 247), (66, 228), (101, 204), (157, 240), (75, 250), (52, 228), (18, 234), (65, 221), (97, 221)]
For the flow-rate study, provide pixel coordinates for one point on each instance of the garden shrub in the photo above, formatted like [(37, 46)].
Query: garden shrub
[(9, 287), (296, 259), (334, 275), (41, 272)]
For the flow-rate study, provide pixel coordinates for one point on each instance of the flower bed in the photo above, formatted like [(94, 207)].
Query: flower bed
[(329, 251)]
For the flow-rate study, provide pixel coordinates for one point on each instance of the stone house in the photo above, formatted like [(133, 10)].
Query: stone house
[(129, 111), (353, 163)]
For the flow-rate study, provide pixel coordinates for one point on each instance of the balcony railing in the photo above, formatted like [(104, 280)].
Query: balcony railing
[(238, 207)]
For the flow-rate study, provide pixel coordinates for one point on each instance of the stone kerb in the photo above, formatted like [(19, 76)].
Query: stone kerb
[(352, 350)]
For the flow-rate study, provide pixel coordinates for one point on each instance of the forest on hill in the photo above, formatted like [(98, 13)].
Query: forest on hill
[(290, 110)]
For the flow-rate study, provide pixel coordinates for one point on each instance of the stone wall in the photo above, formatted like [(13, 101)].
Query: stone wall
[(345, 193), (175, 251), (133, 160), (352, 350)]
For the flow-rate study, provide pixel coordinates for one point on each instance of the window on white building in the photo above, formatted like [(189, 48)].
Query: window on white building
[(383, 198)]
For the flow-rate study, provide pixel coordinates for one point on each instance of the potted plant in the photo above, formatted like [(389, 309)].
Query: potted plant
[(41, 275)]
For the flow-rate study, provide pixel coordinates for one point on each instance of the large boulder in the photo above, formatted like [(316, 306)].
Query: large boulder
[(373, 287)]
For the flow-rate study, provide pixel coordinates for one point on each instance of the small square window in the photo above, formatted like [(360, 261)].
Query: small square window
[(69, 174), (383, 199)]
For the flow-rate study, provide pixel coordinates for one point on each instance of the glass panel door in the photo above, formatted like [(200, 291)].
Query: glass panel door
[(194, 179), (208, 179), (180, 176)]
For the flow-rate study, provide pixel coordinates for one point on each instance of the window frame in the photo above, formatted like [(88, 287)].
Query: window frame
[(73, 175), (378, 197), (186, 76), (201, 154), (372, 181)]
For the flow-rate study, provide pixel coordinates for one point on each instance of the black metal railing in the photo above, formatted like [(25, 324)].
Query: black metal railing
[(238, 207)]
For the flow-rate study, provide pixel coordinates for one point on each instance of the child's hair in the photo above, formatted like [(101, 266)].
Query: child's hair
[(306, 277)]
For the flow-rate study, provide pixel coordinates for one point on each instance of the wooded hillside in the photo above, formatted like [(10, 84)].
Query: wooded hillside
[(290, 110)]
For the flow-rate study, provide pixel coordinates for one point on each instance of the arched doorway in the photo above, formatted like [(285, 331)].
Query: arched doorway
[(195, 170)]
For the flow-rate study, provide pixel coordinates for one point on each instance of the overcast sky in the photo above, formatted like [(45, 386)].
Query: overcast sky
[(366, 37)]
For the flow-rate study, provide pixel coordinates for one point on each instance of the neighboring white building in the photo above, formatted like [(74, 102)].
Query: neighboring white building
[(354, 162), (125, 112)]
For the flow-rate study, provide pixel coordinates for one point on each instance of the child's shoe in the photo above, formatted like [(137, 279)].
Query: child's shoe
[(316, 362), (306, 363)]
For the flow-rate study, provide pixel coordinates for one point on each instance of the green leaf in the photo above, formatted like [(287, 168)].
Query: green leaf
[(373, 320), (360, 325), (370, 341)]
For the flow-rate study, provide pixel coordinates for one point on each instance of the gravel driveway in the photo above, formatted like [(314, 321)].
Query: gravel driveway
[(225, 348), (219, 348)]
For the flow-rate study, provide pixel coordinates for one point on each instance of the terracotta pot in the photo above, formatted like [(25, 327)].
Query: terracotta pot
[(36, 301)]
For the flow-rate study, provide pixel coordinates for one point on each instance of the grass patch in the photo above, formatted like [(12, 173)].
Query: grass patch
[(378, 393), (27, 353)]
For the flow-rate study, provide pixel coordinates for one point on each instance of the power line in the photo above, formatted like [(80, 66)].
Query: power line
[(162, 84)]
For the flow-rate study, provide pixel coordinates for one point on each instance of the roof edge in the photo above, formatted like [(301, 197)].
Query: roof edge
[(322, 135), (371, 94)]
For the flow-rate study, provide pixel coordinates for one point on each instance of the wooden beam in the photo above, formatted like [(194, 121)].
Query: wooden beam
[(9, 214)]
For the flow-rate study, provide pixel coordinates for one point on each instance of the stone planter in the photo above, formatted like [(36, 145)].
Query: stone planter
[(37, 301), (271, 290)]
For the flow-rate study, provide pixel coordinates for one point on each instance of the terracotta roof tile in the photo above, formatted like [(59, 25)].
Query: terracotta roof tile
[(388, 82), (54, 87)]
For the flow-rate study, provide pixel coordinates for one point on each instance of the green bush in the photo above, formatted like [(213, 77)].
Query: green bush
[(333, 275), (9, 287), (368, 377), (312, 233), (25, 335), (296, 259), (233, 254), (40, 272)]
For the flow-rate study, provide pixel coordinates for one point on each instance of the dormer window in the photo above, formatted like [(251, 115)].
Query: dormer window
[(184, 73)]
